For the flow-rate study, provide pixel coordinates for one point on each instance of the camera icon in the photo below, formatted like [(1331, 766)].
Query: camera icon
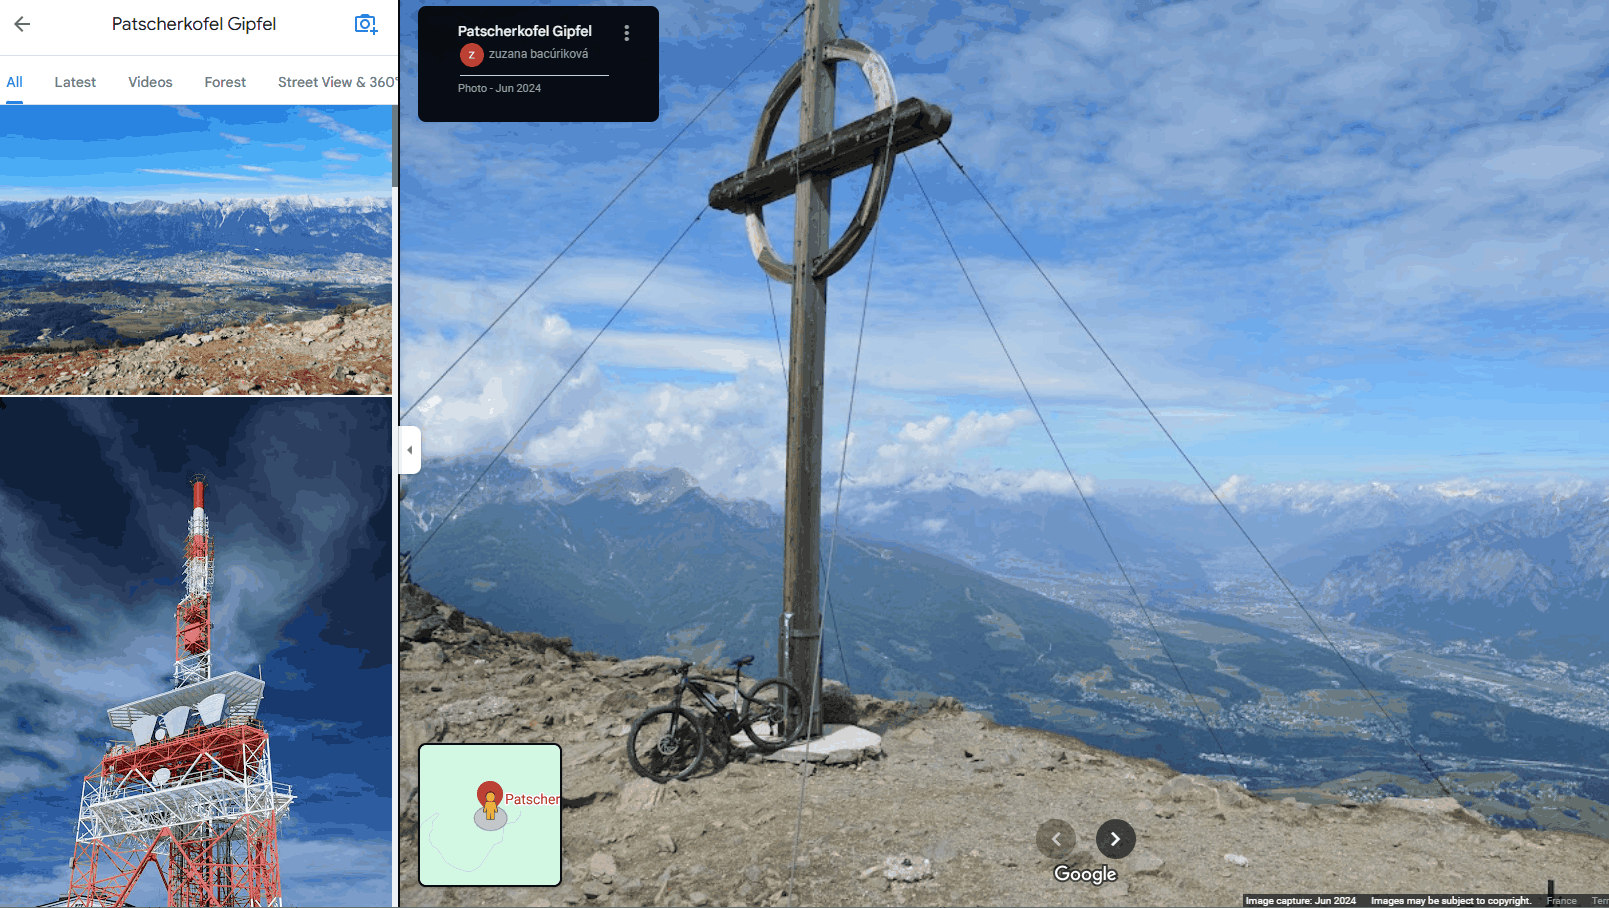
[(364, 23)]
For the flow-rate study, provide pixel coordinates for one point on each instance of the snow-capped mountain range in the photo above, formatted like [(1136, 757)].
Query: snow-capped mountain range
[(288, 225), (1501, 560)]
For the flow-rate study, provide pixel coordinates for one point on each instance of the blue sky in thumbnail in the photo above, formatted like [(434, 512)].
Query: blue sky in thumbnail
[(172, 153), (92, 528)]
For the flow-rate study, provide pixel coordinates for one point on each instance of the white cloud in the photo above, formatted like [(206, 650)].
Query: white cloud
[(196, 173), (238, 140), (347, 133), (255, 168), (1542, 162), (336, 155)]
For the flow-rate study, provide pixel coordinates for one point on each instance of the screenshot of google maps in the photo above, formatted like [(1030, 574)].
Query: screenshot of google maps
[(814, 452)]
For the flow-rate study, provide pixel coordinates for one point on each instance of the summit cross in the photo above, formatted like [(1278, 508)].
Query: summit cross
[(806, 172)]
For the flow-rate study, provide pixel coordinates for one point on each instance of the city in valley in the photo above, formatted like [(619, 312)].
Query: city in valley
[(58, 303), (77, 271)]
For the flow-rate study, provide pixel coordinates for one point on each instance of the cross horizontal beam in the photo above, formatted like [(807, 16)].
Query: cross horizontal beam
[(846, 148)]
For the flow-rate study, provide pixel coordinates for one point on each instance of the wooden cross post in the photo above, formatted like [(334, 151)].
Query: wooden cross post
[(806, 172)]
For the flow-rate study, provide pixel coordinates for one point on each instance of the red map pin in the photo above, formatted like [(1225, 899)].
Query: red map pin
[(471, 55), (491, 788)]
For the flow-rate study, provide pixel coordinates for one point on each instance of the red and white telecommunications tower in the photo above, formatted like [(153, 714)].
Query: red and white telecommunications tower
[(193, 793)]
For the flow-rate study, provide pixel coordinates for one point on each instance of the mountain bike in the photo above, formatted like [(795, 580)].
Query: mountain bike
[(669, 742)]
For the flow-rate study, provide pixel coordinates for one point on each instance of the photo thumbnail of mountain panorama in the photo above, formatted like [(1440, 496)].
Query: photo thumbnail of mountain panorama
[(1476, 619), (290, 294), (87, 270)]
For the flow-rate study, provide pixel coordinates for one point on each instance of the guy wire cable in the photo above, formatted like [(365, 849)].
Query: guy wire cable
[(471, 487), (843, 460), (1098, 528), (1214, 492)]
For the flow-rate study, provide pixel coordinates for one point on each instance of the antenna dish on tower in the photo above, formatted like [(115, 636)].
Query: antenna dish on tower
[(144, 727), (175, 720), (160, 777), (211, 708)]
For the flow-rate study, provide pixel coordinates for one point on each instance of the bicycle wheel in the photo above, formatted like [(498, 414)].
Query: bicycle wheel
[(773, 715), (666, 742)]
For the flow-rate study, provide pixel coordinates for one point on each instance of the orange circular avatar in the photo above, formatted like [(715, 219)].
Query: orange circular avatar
[(471, 55)]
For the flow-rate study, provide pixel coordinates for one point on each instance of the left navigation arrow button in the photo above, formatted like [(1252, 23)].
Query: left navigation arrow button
[(19, 23)]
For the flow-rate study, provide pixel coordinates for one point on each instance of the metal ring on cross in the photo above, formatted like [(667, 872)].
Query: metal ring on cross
[(882, 83)]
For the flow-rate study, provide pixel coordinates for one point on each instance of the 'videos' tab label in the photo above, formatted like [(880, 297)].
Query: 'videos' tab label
[(539, 64)]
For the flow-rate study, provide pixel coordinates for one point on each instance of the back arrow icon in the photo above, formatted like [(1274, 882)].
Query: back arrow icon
[(1057, 839), (19, 23)]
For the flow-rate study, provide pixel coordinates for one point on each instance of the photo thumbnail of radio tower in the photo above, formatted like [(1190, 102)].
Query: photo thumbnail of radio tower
[(194, 661)]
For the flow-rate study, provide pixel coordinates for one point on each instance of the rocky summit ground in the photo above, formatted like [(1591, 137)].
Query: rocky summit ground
[(945, 812), (335, 354)]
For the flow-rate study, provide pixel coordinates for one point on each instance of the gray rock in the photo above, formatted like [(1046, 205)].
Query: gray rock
[(907, 868), (1145, 863), (480, 709), (838, 704), (1448, 806), (1232, 795), (423, 658), (640, 795), (624, 700), (602, 867), (451, 617), (1186, 788), (418, 631)]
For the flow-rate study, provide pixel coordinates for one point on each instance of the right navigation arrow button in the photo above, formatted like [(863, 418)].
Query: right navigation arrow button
[(1115, 839)]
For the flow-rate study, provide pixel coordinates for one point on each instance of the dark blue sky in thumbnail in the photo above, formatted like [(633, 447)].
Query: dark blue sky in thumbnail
[(94, 504)]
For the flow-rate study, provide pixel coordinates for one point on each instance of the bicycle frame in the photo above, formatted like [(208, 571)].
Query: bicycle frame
[(710, 703)]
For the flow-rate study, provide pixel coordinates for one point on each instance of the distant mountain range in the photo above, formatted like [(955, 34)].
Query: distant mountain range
[(1296, 521), (1535, 568), (1032, 535), (639, 561), (1447, 565), (291, 225), (644, 562)]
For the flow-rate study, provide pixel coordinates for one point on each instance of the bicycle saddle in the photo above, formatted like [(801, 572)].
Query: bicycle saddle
[(742, 661)]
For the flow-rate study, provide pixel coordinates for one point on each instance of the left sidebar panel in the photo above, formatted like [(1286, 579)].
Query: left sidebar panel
[(197, 456)]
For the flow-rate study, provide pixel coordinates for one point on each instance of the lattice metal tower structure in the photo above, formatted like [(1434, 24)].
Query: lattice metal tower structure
[(193, 792)]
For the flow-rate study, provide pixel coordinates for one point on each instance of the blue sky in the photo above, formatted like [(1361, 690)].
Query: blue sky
[(173, 153), (92, 529), (1334, 242)]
